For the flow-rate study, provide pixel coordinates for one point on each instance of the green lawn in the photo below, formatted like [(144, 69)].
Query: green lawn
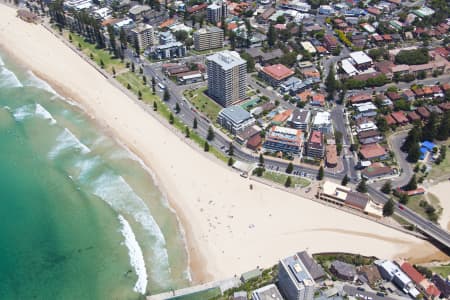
[(281, 179), (195, 52), (443, 169), (98, 54), (203, 103), (444, 270), (414, 204), (202, 295)]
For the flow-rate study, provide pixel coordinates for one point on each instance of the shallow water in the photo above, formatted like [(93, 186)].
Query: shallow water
[(81, 219)]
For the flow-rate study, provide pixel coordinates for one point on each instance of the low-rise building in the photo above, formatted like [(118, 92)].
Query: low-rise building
[(373, 151), (315, 146), (391, 272), (315, 270), (235, 119), (282, 139), (377, 171), (208, 38), (275, 74), (330, 42), (361, 60), (294, 280), (170, 50), (268, 292), (343, 270), (322, 122), (299, 119)]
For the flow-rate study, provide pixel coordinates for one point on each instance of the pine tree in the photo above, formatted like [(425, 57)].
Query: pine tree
[(331, 83), (290, 168), (128, 86), (362, 186), (140, 95), (288, 182), (114, 71), (171, 118), (387, 187), (412, 184), (413, 153), (320, 173), (166, 96), (144, 79), (206, 147), (429, 131), (155, 106), (231, 149), (345, 180), (210, 135), (194, 125), (153, 85), (271, 35), (230, 161), (414, 136), (388, 208), (403, 199), (444, 128), (187, 132), (177, 108), (132, 67)]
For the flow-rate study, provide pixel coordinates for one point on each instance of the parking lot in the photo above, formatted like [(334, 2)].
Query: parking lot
[(361, 293)]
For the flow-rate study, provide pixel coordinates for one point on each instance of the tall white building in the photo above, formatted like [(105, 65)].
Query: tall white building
[(215, 12), (227, 77), (294, 280), (208, 38), (144, 35)]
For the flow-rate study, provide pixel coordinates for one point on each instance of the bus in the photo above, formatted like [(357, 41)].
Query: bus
[(161, 86)]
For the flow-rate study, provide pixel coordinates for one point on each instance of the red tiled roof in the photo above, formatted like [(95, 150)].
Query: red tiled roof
[(371, 151), (362, 97), (412, 272), (432, 290), (316, 137), (197, 7), (390, 120), (278, 71), (400, 117), (444, 106), (423, 112), (413, 116)]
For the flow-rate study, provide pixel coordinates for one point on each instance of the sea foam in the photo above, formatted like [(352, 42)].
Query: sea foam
[(67, 140), (136, 256), (37, 82), (31, 110), (114, 190), (8, 79), (1, 62), (42, 112)]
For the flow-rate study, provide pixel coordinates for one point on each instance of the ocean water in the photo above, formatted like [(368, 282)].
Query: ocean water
[(80, 217)]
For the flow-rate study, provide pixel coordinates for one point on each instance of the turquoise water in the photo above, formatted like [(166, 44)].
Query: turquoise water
[(80, 216)]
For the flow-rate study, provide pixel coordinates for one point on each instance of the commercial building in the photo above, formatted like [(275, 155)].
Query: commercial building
[(235, 119), (391, 272), (315, 146), (170, 50), (227, 77), (208, 38), (294, 280), (322, 122), (216, 11), (275, 74), (342, 195), (299, 119), (143, 35), (362, 60), (284, 139), (268, 292)]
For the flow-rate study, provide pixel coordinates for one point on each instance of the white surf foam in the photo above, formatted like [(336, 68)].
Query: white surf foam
[(114, 190), (24, 112), (136, 256), (86, 166), (9, 79), (37, 82), (67, 140), (42, 112), (1, 62)]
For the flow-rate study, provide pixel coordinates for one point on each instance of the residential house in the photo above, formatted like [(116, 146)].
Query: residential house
[(373, 151)]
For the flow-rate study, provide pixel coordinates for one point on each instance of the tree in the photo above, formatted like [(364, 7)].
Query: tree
[(362, 186), (153, 84), (194, 124), (206, 147), (210, 135), (187, 132), (140, 95), (114, 71), (177, 108), (412, 57), (412, 184), (288, 182), (290, 168), (444, 128), (345, 180), (132, 67), (413, 153), (429, 131), (144, 79), (171, 118), (382, 124), (271, 35), (166, 96), (331, 83), (320, 173), (102, 64), (388, 208), (128, 86), (414, 136), (123, 38), (232, 39), (403, 198), (231, 149), (387, 187), (112, 38), (155, 106), (261, 160), (230, 161)]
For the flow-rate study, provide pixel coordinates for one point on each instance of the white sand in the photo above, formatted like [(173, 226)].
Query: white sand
[(442, 191), (230, 229)]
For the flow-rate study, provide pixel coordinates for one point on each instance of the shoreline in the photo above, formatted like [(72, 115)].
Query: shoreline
[(214, 251)]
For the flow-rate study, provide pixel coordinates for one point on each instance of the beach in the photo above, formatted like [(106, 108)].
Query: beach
[(441, 190), (229, 228)]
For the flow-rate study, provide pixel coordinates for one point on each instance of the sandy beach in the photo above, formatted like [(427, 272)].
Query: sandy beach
[(230, 228), (440, 190)]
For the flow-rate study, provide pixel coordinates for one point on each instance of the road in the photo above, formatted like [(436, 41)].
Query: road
[(222, 142), (363, 294)]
